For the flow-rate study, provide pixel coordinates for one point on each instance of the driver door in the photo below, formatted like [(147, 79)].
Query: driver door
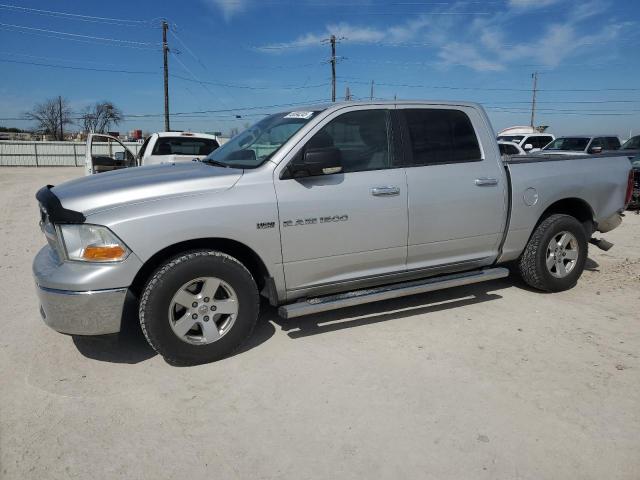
[(105, 153), (345, 229)]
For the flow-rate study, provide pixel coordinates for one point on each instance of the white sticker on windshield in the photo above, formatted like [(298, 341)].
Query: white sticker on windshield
[(304, 115)]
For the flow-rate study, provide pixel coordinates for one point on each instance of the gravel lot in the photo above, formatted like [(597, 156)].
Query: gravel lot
[(491, 381)]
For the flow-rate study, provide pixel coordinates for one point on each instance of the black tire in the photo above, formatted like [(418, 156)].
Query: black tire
[(532, 263), (167, 280)]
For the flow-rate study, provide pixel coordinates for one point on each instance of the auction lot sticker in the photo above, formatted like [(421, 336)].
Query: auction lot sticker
[(303, 115)]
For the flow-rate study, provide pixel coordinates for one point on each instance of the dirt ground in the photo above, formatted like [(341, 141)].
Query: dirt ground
[(491, 381)]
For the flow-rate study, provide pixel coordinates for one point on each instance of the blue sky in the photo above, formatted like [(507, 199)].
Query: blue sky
[(231, 54)]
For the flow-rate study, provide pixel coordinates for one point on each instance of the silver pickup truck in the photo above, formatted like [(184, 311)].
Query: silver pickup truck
[(316, 209)]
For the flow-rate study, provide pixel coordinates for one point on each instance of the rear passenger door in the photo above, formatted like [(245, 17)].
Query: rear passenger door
[(457, 190)]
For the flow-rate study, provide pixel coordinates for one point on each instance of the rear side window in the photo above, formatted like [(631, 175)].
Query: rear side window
[(440, 136), (184, 146)]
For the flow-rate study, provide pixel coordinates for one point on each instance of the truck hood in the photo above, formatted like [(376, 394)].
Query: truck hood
[(103, 191)]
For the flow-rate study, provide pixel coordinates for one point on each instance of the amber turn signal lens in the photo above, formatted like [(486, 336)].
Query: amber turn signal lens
[(103, 253)]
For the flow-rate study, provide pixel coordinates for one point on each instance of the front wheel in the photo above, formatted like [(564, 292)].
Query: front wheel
[(554, 258), (199, 307)]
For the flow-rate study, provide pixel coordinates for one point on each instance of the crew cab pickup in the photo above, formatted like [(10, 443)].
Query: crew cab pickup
[(316, 209)]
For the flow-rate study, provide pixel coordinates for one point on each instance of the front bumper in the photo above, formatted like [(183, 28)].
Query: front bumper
[(81, 298), (96, 312)]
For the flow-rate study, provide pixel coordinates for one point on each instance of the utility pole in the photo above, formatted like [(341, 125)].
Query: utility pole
[(347, 94), (371, 92), (60, 112), (165, 53), (332, 40), (534, 75)]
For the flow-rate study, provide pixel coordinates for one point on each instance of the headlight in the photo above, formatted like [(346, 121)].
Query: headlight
[(92, 243)]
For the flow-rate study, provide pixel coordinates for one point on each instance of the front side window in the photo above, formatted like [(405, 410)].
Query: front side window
[(361, 138), (184, 146), (441, 136)]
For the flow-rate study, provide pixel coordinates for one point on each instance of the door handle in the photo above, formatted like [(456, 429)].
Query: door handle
[(385, 191), (486, 182)]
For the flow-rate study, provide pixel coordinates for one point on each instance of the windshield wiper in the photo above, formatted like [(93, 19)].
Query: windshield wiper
[(215, 162)]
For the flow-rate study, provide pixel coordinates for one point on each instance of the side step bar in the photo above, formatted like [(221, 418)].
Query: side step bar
[(358, 297)]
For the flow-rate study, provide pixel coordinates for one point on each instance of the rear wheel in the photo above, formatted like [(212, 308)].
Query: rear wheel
[(554, 258), (199, 307)]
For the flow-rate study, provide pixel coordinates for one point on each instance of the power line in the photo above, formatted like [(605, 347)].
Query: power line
[(79, 37), (250, 87), (495, 89), (74, 16), (71, 67)]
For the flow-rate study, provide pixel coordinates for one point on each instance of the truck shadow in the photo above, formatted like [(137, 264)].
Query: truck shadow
[(388, 310), (127, 346), (130, 345)]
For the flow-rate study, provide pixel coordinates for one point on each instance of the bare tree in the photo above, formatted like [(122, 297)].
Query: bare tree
[(51, 116), (99, 117)]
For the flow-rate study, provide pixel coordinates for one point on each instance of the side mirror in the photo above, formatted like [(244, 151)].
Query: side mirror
[(595, 150), (527, 147), (119, 156), (315, 162)]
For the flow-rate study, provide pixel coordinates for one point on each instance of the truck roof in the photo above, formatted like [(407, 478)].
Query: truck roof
[(185, 134), (337, 105)]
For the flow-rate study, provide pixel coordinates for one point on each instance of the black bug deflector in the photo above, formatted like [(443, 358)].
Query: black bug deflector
[(50, 206)]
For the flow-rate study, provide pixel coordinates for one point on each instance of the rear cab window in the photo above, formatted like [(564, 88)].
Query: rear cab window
[(184, 146)]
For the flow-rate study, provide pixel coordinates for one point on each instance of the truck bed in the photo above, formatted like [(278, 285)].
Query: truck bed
[(538, 181)]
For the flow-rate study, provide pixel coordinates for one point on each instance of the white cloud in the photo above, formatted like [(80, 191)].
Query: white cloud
[(352, 33), (486, 42), (229, 8), (527, 4)]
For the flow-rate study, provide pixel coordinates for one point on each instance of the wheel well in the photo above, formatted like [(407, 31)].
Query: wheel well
[(239, 251), (575, 207)]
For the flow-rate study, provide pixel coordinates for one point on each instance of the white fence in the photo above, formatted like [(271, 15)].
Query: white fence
[(53, 154)]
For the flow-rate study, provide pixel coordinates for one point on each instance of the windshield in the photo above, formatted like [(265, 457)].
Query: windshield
[(632, 144), (574, 144), (511, 138), (258, 143)]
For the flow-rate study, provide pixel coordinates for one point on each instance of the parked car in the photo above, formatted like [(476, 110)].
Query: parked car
[(510, 148), (162, 147), (530, 142), (316, 209), (631, 144), (631, 147), (582, 144)]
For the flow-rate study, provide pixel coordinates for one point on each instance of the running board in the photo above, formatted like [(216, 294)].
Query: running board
[(358, 297)]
